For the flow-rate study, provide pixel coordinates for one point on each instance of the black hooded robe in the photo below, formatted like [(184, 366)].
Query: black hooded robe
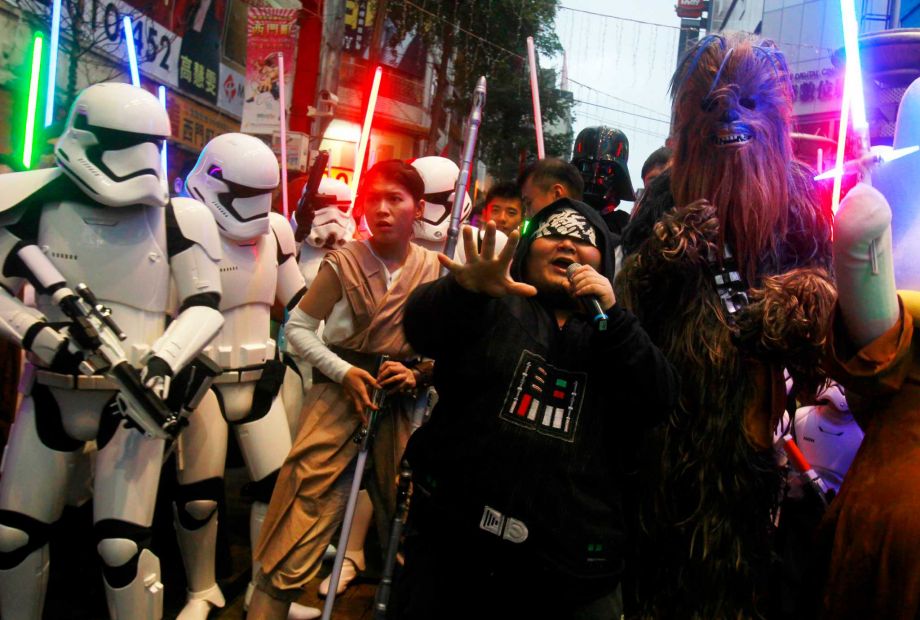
[(533, 426)]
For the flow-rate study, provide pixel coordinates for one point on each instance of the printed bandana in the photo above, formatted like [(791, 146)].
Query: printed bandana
[(568, 223)]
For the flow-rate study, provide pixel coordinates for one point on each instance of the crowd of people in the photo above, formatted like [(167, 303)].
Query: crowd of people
[(607, 412)]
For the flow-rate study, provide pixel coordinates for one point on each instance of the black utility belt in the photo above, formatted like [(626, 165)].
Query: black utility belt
[(365, 361)]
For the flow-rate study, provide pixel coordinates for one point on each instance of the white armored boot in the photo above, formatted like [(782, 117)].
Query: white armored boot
[(23, 587), (198, 549), (142, 599)]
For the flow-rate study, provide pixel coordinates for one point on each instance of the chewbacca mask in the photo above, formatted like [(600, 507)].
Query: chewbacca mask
[(732, 107)]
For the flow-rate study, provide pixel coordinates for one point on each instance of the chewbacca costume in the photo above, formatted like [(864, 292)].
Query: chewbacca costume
[(733, 187)]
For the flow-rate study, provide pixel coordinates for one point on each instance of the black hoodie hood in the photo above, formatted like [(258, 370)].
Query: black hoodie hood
[(604, 237)]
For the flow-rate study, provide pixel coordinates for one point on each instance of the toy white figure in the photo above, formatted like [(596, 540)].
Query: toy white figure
[(828, 435), (101, 217), (234, 177)]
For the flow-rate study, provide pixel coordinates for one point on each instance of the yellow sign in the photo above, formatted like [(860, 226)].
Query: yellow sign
[(194, 125), (342, 174)]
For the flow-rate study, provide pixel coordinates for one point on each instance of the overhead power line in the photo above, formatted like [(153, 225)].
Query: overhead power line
[(604, 107), (823, 50), (627, 101)]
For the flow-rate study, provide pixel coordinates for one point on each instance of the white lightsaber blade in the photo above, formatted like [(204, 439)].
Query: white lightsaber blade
[(535, 94), (283, 121), (867, 161)]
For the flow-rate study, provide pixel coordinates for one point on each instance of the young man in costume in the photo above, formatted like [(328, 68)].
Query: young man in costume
[(870, 540), (518, 476), (503, 206), (360, 292), (546, 181), (732, 285)]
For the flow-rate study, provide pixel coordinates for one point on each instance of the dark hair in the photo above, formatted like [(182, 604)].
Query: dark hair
[(505, 189), (546, 172), (660, 157), (399, 172)]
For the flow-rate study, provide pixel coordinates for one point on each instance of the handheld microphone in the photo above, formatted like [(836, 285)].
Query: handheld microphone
[(591, 301)]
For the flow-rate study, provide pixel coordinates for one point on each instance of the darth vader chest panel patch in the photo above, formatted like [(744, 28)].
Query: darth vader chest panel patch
[(544, 398)]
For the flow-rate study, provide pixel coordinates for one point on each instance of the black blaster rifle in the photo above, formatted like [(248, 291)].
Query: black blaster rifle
[(305, 208), (94, 334)]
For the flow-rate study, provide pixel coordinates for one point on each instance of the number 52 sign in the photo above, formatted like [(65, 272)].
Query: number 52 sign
[(157, 47)]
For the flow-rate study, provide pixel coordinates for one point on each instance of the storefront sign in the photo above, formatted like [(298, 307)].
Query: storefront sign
[(194, 125), (268, 32)]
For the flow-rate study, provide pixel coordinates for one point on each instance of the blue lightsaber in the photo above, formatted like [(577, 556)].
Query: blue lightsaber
[(132, 51), (52, 60)]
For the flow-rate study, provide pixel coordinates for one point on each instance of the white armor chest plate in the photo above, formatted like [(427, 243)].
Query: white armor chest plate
[(120, 253), (248, 272), (248, 278)]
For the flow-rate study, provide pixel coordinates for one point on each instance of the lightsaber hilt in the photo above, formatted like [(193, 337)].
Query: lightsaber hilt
[(403, 495), (366, 434), (463, 179), (800, 463)]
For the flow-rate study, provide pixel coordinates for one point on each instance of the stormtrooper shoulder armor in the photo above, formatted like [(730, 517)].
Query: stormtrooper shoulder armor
[(196, 224), (284, 234), (17, 187)]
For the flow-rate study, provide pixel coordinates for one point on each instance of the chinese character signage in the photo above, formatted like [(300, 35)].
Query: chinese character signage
[(194, 125), (268, 32), (359, 25), (199, 52)]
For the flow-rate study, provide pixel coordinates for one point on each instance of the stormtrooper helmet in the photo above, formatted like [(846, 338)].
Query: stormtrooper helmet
[(234, 176), (111, 145), (835, 396), (333, 225), (440, 176)]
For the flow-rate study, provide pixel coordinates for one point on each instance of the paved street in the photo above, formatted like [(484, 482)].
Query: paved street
[(76, 593)]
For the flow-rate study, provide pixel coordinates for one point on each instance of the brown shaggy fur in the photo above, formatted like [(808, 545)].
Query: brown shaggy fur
[(749, 185), (708, 542)]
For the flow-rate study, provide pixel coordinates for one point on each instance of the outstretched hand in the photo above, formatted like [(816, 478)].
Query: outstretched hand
[(483, 272)]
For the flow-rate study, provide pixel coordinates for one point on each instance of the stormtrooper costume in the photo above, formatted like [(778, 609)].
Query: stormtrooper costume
[(440, 177), (333, 226), (102, 217), (234, 177)]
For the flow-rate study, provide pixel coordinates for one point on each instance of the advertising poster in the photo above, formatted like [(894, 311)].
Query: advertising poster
[(268, 31), (199, 53), (231, 90)]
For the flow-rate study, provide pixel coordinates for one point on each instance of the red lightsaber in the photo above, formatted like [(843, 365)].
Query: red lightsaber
[(365, 136), (804, 467)]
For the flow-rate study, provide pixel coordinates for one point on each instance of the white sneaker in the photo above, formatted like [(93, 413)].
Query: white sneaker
[(349, 572), (302, 612), (199, 604)]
